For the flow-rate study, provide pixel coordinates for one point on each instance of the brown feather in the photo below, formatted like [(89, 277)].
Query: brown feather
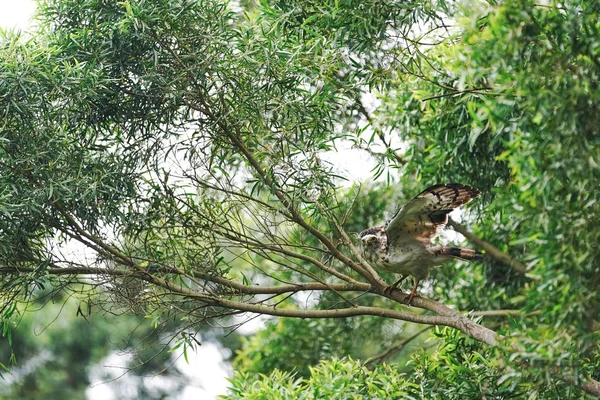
[(424, 215)]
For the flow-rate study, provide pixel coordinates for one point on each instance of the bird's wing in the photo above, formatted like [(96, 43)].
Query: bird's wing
[(421, 217)]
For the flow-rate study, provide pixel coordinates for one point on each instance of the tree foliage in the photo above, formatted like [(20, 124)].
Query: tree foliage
[(334, 379), (170, 157)]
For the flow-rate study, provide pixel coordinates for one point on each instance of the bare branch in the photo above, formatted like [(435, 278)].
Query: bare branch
[(297, 287), (481, 90), (492, 250), (350, 245), (281, 249), (281, 289), (459, 321), (97, 242), (377, 358), (502, 313)]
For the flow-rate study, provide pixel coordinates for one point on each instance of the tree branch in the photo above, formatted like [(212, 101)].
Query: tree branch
[(490, 249), (502, 313), (461, 323), (245, 289), (452, 318), (296, 216), (448, 316), (300, 256), (350, 245), (377, 358), (107, 249), (481, 90)]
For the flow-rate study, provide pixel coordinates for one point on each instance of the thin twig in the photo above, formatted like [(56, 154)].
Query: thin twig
[(399, 159), (377, 358), (482, 90)]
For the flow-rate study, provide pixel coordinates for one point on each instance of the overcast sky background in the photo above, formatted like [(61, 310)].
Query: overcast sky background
[(16, 13)]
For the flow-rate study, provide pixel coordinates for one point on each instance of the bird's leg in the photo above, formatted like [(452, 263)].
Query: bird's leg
[(388, 289), (413, 293)]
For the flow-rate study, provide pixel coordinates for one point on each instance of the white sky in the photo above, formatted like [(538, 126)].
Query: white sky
[(16, 13)]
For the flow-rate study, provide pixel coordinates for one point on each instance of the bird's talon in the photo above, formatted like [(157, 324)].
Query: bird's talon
[(411, 296)]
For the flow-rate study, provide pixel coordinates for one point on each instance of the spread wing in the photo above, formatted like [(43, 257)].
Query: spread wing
[(422, 217)]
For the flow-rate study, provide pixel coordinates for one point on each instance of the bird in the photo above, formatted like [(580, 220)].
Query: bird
[(403, 244)]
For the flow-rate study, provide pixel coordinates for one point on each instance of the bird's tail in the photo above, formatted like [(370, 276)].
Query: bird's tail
[(457, 252)]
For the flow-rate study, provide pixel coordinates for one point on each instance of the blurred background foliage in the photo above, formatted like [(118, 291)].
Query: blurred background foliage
[(499, 95)]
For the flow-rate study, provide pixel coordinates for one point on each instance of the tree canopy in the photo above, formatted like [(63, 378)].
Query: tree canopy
[(169, 160)]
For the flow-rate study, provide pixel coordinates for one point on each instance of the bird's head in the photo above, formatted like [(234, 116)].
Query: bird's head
[(369, 240), (371, 246), (372, 241)]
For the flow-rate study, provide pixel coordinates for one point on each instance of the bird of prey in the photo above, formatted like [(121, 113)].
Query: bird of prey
[(403, 244)]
